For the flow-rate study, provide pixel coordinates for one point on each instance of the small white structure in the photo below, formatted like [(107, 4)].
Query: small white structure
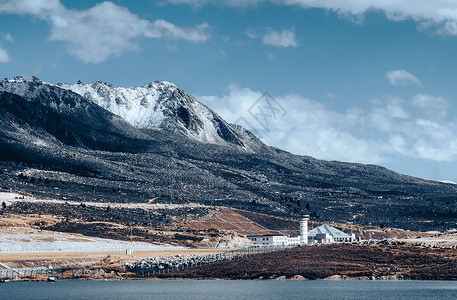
[(293, 241), (274, 240), (304, 230), (269, 240), (324, 234)]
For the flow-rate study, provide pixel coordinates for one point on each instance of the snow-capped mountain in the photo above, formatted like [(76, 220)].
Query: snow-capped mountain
[(158, 105), (89, 152), (161, 104)]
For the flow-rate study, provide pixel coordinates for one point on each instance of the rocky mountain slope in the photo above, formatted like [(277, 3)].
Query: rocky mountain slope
[(161, 105), (157, 143)]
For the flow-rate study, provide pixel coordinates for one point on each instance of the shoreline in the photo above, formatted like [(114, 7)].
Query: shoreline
[(224, 279), (323, 262)]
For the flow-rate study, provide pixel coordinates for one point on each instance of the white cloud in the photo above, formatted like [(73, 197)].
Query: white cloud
[(283, 39), (307, 128), (386, 115), (8, 37), (432, 105), (441, 14), (4, 57), (234, 3), (251, 34), (103, 31), (437, 141), (32, 7), (402, 77), (385, 131)]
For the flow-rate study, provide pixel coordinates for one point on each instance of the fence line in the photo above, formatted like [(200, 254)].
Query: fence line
[(29, 273), (43, 272), (225, 256), (82, 249)]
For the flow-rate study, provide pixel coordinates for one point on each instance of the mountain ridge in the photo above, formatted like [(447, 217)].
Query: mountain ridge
[(87, 152), (161, 104), (157, 105)]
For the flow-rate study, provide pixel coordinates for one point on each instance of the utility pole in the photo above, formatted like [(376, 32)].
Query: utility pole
[(369, 229), (130, 251), (131, 236)]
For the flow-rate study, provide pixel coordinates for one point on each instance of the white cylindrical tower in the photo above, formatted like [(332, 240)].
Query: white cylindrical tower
[(304, 230)]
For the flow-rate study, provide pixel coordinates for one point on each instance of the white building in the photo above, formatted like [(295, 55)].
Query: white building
[(323, 234), (269, 240), (274, 240), (326, 234)]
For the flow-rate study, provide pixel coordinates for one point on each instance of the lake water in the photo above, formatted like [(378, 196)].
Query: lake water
[(228, 289)]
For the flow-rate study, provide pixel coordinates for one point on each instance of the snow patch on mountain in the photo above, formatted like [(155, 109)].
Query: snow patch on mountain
[(139, 106), (448, 182), (160, 104), (34, 89)]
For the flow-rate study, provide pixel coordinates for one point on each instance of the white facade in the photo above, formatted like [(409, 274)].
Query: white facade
[(275, 240), (293, 241), (304, 230), (326, 234), (269, 240)]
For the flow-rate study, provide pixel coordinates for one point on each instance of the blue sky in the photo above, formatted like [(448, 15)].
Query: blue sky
[(371, 83)]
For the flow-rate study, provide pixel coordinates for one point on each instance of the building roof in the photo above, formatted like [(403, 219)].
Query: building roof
[(331, 231), (265, 235)]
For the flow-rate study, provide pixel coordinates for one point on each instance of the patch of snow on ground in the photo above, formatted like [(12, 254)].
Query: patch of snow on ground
[(448, 181), (17, 240), (8, 198)]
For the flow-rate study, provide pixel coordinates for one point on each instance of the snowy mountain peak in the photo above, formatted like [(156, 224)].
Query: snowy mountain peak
[(160, 105), (157, 105), (34, 89), (22, 79)]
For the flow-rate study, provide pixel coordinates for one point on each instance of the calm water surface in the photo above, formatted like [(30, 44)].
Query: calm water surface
[(222, 289)]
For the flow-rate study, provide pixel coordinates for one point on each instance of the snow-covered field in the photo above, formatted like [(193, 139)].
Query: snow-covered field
[(9, 197), (27, 239), (13, 240)]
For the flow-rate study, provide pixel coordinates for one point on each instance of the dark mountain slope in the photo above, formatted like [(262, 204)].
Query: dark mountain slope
[(56, 143), (90, 127)]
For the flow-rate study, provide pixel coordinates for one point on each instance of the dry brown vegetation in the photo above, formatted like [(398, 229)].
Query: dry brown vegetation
[(346, 261)]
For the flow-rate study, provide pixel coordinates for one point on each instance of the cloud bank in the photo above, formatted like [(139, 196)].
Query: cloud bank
[(392, 127), (440, 14), (100, 32), (431, 105)]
